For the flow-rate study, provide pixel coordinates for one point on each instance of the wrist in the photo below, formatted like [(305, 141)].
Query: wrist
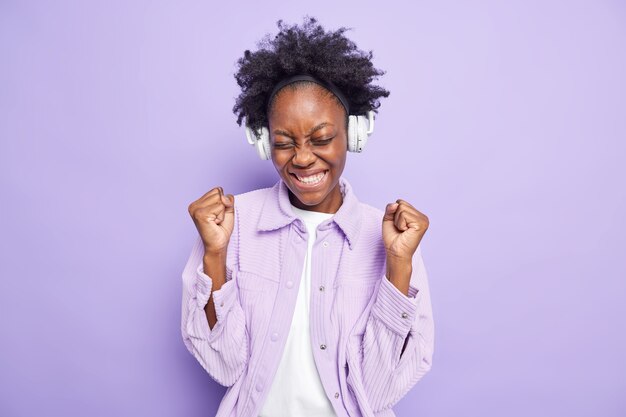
[(214, 255), (398, 261), (399, 271), (214, 265)]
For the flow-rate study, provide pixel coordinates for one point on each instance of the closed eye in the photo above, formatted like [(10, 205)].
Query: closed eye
[(282, 145), (323, 141), (320, 142)]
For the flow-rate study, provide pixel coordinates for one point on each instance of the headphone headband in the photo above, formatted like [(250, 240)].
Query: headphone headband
[(306, 77)]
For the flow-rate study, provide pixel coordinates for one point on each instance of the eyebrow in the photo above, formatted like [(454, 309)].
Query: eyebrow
[(313, 130)]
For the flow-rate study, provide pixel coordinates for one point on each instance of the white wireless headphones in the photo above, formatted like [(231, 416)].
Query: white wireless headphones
[(359, 126)]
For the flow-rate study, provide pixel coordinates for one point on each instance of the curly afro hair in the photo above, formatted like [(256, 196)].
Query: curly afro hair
[(327, 55)]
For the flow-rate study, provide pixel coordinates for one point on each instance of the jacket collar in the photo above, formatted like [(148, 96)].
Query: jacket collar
[(276, 211)]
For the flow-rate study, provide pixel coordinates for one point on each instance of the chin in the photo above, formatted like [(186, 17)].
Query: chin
[(309, 198), (312, 197)]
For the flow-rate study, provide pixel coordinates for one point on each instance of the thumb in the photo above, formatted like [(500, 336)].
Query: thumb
[(229, 202), (229, 212), (390, 210)]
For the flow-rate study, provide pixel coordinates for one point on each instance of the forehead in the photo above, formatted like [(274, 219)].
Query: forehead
[(304, 101)]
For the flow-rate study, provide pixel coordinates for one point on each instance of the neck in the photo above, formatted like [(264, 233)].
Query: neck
[(331, 203)]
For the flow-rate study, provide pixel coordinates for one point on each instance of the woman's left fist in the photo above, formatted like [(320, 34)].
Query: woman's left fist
[(403, 229)]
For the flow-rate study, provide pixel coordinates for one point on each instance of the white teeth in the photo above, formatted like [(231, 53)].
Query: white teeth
[(313, 179)]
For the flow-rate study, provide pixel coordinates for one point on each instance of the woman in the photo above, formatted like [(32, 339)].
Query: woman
[(299, 298)]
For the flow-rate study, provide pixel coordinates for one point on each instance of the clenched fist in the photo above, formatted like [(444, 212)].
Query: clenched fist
[(214, 215), (403, 229)]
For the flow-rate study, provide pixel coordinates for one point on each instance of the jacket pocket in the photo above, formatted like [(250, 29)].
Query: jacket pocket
[(250, 281), (355, 299)]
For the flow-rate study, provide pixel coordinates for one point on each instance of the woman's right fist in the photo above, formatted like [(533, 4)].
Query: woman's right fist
[(213, 215)]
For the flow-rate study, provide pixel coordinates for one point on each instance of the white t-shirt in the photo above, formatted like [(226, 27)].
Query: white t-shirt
[(297, 389)]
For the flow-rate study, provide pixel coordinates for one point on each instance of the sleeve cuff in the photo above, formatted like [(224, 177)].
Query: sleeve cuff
[(396, 310), (223, 298), (204, 284)]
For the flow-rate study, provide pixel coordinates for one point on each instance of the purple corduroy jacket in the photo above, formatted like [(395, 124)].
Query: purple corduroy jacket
[(359, 321)]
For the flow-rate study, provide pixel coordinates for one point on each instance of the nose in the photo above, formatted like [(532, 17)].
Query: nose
[(303, 155)]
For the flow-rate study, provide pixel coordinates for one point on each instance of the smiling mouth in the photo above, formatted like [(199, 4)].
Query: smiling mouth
[(311, 181)]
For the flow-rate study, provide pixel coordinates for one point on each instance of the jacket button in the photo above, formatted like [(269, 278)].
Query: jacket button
[(325, 244), (336, 395), (289, 284), (322, 346), (274, 336), (321, 288), (404, 315)]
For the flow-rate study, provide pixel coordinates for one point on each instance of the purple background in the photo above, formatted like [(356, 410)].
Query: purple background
[(505, 126)]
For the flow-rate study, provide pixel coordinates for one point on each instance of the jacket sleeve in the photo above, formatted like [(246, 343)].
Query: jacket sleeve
[(396, 349), (223, 350)]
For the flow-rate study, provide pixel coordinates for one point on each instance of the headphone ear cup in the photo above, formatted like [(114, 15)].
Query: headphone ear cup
[(261, 141), (357, 132), (362, 125), (353, 133), (263, 144)]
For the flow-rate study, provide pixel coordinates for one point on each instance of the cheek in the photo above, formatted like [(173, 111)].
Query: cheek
[(338, 154), (279, 159), (279, 164)]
